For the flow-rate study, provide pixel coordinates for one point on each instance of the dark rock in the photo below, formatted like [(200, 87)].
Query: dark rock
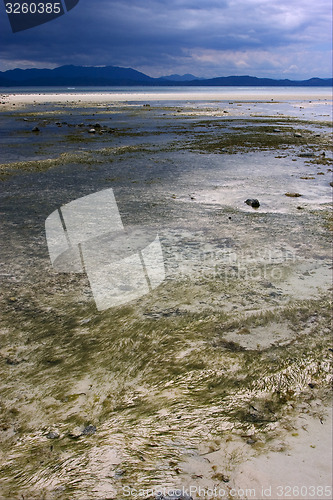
[(35, 129), (53, 435), (12, 361), (252, 202), (97, 125), (88, 430), (306, 155), (331, 184)]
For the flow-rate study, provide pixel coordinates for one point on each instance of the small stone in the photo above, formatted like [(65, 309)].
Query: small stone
[(293, 195), (88, 430), (53, 435), (76, 433), (297, 134), (118, 473), (92, 131), (97, 125), (35, 129), (331, 183), (252, 202), (306, 155)]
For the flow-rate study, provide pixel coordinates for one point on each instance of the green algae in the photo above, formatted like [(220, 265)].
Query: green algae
[(264, 137)]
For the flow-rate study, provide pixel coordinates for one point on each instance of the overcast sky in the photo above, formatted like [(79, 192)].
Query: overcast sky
[(272, 38)]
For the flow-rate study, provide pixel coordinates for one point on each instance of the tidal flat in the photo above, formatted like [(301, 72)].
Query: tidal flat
[(227, 359)]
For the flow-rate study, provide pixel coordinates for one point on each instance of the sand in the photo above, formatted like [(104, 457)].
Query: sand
[(146, 96), (296, 465)]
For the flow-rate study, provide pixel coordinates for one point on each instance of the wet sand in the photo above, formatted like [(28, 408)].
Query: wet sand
[(220, 378)]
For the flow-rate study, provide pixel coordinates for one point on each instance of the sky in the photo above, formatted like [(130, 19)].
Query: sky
[(207, 38)]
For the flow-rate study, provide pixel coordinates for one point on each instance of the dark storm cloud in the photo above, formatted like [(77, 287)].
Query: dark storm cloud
[(210, 38)]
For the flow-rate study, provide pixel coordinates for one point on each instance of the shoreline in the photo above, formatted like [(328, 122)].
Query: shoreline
[(244, 95)]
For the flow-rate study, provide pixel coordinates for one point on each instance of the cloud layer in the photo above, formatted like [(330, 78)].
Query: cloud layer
[(275, 38)]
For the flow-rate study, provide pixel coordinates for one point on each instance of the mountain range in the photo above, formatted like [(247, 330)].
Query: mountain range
[(83, 76)]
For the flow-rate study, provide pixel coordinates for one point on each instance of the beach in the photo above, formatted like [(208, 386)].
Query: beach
[(217, 382)]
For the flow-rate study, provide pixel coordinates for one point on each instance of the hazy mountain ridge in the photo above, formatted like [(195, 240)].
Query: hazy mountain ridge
[(116, 76), (180, 78)]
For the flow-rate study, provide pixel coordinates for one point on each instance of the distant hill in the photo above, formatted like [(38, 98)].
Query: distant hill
[(253, 81), (74, 76), (180, 78), (82, 76)]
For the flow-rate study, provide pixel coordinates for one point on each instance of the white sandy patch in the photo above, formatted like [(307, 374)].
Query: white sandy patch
[(243, 95), (297, 465), (302, 469)]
